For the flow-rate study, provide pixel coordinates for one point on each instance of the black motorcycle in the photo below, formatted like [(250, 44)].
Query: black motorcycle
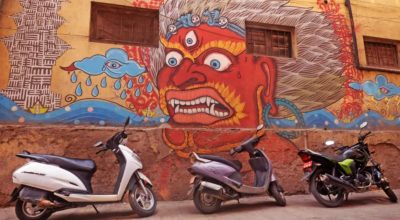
[(353, 169)]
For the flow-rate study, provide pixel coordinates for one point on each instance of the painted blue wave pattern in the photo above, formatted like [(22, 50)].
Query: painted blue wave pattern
[(107, 113), (81, 112), (325, 119)]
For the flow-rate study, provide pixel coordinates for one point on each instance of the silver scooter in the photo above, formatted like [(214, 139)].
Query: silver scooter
[(49, 183), (216, 179)]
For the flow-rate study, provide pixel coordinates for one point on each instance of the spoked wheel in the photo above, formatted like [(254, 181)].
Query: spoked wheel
[(327, 195), (277, 192), (31, 211), (205, 202), (144, 205)]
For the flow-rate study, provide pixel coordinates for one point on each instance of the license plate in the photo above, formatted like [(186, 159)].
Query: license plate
[(307, 164), (192, 179)]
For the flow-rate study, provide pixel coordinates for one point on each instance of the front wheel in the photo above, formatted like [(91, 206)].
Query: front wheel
[(142, 204), (31, 211), (276, 191), (205, 202), (389, 192), (327, 195)]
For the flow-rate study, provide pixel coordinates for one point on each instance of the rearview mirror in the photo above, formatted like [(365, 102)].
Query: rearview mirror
[(363, 125), (329, 143), (98, 144), (127, 122)]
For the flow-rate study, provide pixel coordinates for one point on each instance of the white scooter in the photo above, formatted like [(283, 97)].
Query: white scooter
[(49, 183)]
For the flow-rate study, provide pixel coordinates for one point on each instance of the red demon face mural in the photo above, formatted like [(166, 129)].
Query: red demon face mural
[(208, 79)]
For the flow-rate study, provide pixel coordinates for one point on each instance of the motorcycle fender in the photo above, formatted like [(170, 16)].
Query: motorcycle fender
[(138, 175), (307, 175), (14, 195), (144, 178), (194, 183)]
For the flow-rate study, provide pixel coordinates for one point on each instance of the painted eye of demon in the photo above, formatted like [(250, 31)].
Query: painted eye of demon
[(190, 39), (218, 61), (173, 59), (113, 64)]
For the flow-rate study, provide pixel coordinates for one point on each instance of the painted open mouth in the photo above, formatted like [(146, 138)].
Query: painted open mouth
[(201, 105)]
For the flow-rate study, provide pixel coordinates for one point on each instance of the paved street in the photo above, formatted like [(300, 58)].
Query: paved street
[(366, 206)]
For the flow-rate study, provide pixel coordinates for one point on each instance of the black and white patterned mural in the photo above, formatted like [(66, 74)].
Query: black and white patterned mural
[(33, 51)]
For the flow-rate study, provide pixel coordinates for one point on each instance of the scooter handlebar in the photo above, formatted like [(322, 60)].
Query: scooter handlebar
[(235, 150)]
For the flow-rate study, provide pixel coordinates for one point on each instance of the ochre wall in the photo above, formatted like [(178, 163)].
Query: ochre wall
[(164, 167)]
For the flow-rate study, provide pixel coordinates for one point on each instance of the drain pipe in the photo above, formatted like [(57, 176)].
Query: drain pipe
[(353, 34)]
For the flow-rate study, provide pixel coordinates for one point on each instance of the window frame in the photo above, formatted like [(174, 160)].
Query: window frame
[(273, 27), (98, 6), (384, 41)]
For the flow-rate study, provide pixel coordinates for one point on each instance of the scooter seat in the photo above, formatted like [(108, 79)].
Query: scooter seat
[(236, 164), (64, 162)]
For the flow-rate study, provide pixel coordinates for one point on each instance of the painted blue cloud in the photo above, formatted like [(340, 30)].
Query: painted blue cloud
[(379, 89), (115, 64)]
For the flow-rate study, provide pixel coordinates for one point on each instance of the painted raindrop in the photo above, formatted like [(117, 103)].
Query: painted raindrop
[(137, 92), (95, 91), (78, 90), (123, 94), (88, 81), (104, 82), (74, 78), (140, 80), (117, 84), (149, 88), (130, 84)]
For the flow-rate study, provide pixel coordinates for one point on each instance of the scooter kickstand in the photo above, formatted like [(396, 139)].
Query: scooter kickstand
[(97, 211)]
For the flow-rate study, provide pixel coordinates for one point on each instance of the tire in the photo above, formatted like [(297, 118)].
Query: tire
[(23, 210), (389, 192), (276, 191), (204, 202), (140, 204), (319, 189)]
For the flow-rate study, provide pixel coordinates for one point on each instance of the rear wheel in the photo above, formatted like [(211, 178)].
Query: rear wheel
[(327, 195), (276, 191), (31, 211), (142, 204), (205, 202)]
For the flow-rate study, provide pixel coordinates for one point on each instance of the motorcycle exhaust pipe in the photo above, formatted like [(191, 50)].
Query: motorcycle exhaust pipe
[(214, 190), (212, 186), (340, 183), (47, 203)]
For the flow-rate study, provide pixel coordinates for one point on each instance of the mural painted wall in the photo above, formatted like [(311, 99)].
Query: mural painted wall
[(200, 87), (200, 76)]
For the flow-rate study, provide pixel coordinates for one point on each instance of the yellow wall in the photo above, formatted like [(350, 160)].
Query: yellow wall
[(7, 28), (75, 31), (380, 19)]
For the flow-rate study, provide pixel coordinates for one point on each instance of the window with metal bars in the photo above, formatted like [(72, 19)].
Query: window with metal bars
[(271, 40), (381, 53), (119, 24)]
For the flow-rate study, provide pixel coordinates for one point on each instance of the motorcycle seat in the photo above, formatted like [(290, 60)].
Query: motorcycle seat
[(236, 164), (64, 162), (333, 158)]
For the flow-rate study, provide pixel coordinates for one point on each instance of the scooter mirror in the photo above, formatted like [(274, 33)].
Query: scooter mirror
[(127, 122), (329, 143), (260, 127), (363, 125), (98, 144)]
